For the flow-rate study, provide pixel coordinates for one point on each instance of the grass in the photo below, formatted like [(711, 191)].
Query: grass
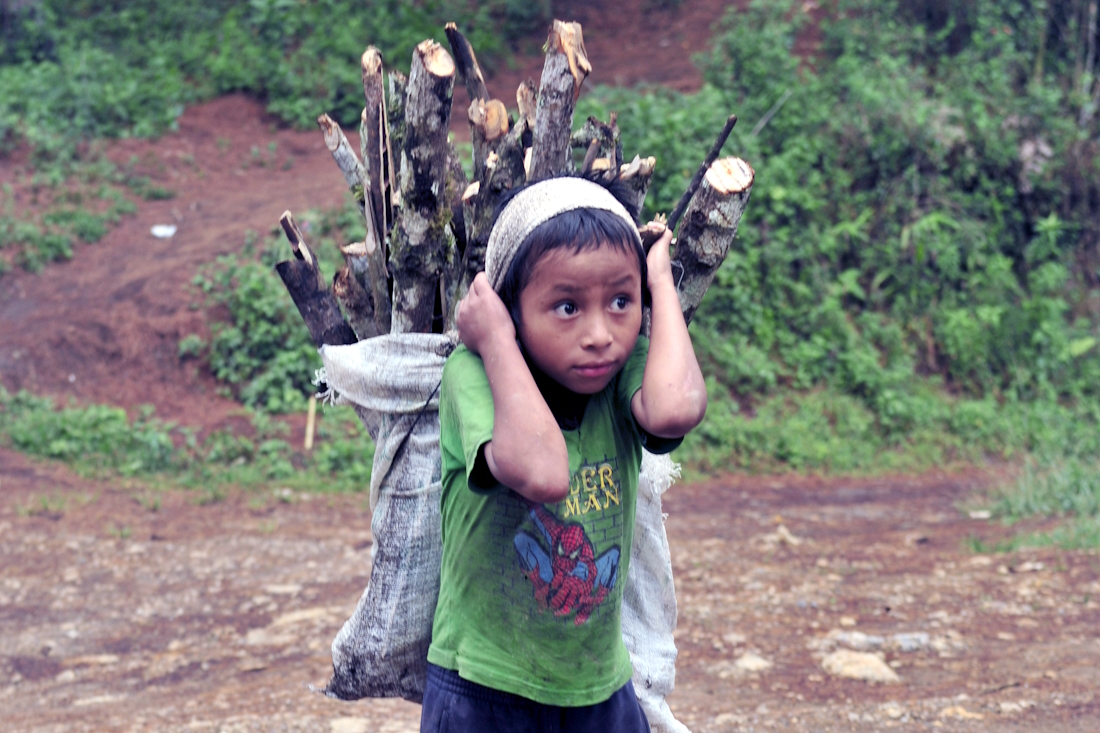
[(42, 506), (816, 432), (825, 430), (65, 197), (1061, 486), (104, 442)]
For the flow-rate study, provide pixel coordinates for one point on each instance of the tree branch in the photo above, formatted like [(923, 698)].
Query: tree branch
[(346, 159), (466, 60), (563, 72), (369, 266), (637, 175), (421, 236), (712, 156), (316, 303), (709, 226)]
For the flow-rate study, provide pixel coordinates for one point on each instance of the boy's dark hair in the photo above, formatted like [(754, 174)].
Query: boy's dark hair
[(581, 230)]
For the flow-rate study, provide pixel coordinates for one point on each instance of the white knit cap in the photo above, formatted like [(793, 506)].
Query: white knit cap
[(535, 205)]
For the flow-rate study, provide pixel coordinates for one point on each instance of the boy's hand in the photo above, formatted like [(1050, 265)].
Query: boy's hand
[(673, 397), (658, 261), (481, 316), (527, 452)]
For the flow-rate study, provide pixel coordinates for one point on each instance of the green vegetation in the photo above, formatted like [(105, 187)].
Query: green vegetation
[(77, 72), (908, 288), (103, 68), (1060, 486), (74, 195), (102, 440), (915, 279), (263, 351)]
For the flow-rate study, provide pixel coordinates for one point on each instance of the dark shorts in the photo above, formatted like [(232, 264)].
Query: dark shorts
[(455, 705)]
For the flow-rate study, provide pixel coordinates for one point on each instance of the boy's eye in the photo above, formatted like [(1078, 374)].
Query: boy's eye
[(565, 309), (620, 302)]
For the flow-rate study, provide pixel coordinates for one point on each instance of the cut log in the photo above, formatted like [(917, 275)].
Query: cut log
[(715, 151), (652, 231), (356, 300), (422, 234), (316, 303), (606, 136), (450, 282), (361, 265), (345, 157), (638, 174), (395, 121), (563, 72), (527, 100), (454, 188), (709, 226), (466, 60), (374, 142), (488, 123), (590, 156), (503, 170)]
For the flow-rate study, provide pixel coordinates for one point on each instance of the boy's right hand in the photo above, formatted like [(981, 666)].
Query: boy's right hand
[(482, 316)]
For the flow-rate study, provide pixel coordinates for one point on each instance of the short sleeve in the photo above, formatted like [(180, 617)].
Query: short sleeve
[(466, 413), (630, 381)]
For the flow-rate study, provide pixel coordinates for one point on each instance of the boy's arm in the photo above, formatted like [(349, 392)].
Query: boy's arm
[(527, 452), (673, 397)]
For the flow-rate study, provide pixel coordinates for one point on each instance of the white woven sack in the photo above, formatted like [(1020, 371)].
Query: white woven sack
[(649, 598), (381, 651), (393, 383)]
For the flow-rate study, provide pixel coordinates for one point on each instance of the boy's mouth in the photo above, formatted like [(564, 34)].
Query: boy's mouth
[(598, 369)]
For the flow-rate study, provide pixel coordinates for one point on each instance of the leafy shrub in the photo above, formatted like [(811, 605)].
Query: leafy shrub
[(923, 218), (98, 68), (263, 350), (103, 439), (98, 436)]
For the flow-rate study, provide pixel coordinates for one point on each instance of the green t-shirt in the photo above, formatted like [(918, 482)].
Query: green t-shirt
[(530, 594)]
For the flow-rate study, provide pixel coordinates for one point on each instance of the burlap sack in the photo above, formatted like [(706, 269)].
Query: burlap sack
[(393, 383)]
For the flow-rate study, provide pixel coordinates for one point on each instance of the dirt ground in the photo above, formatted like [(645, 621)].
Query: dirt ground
[(125, 609), (118, 614)]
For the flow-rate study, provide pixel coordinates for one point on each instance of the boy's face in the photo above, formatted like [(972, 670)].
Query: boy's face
[(580, 315)]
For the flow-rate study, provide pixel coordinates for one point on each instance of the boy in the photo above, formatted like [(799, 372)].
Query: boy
[(544, 411)]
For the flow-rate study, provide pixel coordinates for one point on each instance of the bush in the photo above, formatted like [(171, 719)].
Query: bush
[(264, 351), (100, 439), (923, 218), (98, 436), (97, 68)]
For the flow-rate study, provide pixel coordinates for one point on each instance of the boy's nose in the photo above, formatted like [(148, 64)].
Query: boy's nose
[(597, 335)]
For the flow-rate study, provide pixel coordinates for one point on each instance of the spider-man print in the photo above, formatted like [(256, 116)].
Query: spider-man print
[(566, 574)]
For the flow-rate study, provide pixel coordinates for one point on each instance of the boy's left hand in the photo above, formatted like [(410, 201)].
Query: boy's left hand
[(673, 397), (658, 261)]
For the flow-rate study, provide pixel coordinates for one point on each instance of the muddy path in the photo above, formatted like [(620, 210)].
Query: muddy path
[(123, 609)]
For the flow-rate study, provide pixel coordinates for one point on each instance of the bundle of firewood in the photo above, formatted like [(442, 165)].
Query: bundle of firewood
[(427, 225)]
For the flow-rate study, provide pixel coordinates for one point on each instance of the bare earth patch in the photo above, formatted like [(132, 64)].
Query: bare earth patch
[(122, 613)]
